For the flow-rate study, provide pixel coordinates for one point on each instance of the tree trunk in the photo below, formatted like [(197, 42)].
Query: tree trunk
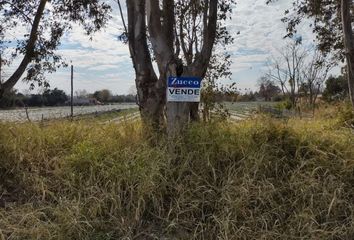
[(10, 83), (150, 91), (177, 113), (194, 111), (200, 65), (349, 45), (177, 117), (180, 113)]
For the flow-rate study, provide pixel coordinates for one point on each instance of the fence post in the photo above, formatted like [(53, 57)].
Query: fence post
[(72, 93)]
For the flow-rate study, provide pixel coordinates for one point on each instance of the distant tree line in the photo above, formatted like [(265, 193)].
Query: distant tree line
[(57, 97), (267, 91), (335, 89), (105, 96)]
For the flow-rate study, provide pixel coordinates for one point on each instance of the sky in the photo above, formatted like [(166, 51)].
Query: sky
[(104, 62)]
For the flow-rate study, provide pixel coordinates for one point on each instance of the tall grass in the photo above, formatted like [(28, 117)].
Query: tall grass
[(257, 179)]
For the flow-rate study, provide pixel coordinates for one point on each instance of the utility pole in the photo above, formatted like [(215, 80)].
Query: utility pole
[(72, 93)]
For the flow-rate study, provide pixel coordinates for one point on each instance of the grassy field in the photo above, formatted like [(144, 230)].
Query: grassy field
[(243, 110), (256, 179), (246, 106), (60, 112), (107, 116)]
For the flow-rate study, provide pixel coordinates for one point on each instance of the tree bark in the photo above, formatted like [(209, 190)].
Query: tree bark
[(201, 62), (150, 91), (14, 78), (177, 113), (199, 66), (348, 44)]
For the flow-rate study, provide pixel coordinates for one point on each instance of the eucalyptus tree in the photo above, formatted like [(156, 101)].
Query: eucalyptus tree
[(347, 19), (43, 23), (182, 36)]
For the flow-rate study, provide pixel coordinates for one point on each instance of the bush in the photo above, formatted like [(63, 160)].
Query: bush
[(284, 105), (279, 98), (336, 89), (257, 179), (346, 115), (11, 99)]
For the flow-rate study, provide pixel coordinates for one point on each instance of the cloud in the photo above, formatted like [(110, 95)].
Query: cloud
[(103, 67), (261, 36), (104, 62)]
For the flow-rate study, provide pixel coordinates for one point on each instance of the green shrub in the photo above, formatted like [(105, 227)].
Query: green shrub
[(346, 115), (284, 105)]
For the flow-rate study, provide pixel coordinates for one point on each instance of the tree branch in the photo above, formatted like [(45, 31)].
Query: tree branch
[(200, 64), (168, 22), (164, 55), (10, 83), (121, 14)]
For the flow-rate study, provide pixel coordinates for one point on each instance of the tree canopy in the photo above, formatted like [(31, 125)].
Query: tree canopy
[(47, 21), (326, 23), (333, 26)]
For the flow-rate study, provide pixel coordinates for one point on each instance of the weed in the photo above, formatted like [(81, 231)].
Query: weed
[(256, 179)]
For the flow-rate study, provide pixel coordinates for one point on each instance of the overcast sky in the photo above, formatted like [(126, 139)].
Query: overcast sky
[(104, 62)]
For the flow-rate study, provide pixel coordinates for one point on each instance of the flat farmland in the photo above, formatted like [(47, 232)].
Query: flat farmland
[(36, 114), (243, 110)]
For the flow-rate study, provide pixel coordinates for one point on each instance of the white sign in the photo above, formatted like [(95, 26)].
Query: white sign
[(183, 89)]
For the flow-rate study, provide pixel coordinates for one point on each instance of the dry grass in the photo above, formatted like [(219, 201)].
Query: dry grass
[(257, 179)]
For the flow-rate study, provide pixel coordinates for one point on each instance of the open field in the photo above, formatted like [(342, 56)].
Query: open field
[(244, 107), (257, 179), (243, 110), (237, 110), (36, 114)]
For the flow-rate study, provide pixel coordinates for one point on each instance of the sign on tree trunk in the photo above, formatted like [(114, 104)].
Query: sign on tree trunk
[(183, 89)]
